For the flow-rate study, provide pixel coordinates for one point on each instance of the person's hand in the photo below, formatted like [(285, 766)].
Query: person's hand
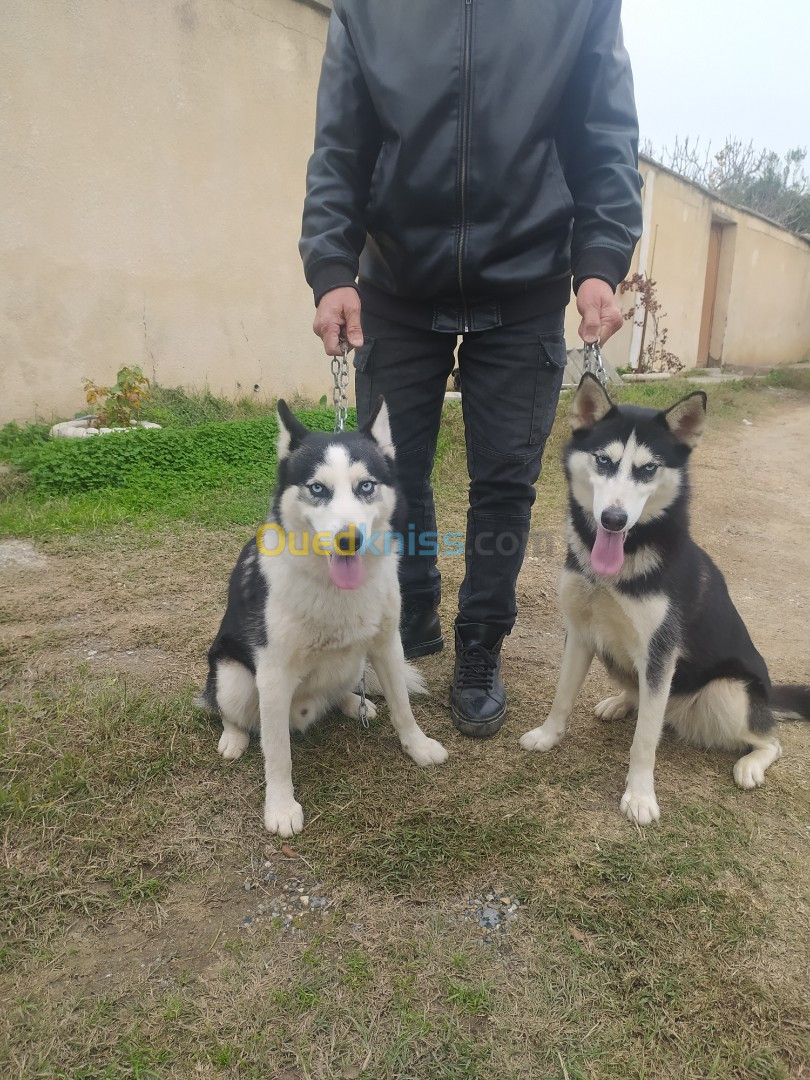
[(338, 315), (601, 317)]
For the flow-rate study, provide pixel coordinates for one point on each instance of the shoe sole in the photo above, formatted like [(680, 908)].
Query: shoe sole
[(477, 730), (424, 648)]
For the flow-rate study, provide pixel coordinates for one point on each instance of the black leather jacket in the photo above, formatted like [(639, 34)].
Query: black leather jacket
[(470, 149)]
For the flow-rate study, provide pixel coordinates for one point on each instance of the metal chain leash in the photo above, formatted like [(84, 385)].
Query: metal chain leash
[(362, 710), (340, 401), (340, 374), (593, 362)]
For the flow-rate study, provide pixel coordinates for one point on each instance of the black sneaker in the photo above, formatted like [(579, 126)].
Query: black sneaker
[(477, 696), (420, 630)]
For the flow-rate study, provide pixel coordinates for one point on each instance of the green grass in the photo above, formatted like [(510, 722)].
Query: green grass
[(211, 473), (215, 461), (726, 399), (175, 407), (110, 755), (789, 379), (172, 407)]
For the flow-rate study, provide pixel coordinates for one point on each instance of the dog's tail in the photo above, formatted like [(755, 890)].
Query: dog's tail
[(207, 700), (413, 680), (790, 702)]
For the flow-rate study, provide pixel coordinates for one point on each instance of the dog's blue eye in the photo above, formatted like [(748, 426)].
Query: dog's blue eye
[(316, 489), (602, 459), (651, 468), (367, 487)]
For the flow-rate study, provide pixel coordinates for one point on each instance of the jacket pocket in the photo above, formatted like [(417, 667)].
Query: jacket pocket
[(552, 358), (376, 184), (557, 175)]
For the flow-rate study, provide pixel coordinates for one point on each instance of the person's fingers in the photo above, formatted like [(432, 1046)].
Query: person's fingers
[(338, 316), (611, 322), (354, 330), (601, 317), (591, 325), (331, 339)]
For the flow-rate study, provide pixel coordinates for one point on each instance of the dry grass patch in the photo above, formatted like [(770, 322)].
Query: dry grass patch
[(133, 948)]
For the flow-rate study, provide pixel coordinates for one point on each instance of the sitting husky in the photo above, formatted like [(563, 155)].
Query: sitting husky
[(309, 602), (640, 593)]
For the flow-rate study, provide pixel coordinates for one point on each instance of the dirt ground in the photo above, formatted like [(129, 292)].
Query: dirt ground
[(147, 608)]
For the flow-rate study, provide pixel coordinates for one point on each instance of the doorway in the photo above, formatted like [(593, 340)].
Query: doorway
[(715, 294)]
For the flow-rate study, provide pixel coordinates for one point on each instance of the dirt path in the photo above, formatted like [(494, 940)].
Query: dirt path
[(752, 514)]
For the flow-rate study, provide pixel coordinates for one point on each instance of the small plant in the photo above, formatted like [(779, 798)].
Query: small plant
[(647, 312), (117, 406)]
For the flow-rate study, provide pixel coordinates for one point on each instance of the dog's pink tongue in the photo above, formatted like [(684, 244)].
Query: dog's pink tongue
[(607, 555), (347, 571)]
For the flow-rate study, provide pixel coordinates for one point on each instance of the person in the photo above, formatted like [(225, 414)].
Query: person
[(471, 158)]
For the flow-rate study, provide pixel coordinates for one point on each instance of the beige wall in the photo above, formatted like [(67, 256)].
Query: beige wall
[(769, 298), (152, 163), (762, 314)]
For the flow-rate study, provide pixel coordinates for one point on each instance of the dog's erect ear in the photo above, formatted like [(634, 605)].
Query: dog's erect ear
[(290, 430), (378, 426), (687, 418), (590, 405)]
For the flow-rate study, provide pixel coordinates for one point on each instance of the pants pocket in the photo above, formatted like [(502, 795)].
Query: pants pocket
[(362, 380), (363, 354), (552, 358)]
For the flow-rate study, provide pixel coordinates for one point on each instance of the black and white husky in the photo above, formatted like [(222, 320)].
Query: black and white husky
[(637, 591), (312, 599)]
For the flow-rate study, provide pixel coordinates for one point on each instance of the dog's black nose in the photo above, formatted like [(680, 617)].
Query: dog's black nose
[(614, 519), (346, 542)]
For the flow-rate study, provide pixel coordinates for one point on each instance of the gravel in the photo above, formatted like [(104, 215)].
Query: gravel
[(293, 905), (494, 912)]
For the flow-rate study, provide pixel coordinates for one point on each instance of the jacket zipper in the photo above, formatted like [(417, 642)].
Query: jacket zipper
[(465, 126)]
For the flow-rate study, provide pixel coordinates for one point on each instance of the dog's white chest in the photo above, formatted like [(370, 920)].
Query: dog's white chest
[(318, 624), (619, 625)]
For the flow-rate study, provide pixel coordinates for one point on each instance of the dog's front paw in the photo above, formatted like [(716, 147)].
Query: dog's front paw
[(350, 707), (614, 708), (286, 818), (640, 807), (749, 774), (426, 751), (540, 738), (232, 743)]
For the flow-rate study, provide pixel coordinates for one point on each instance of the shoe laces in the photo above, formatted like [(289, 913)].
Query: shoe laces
[(476, 667)]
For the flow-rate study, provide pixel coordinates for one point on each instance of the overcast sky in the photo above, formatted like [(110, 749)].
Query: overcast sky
[(713, 68)]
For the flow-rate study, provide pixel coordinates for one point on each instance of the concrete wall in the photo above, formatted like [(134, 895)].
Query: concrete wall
[(152, 164), (769, 296), (762, 313)]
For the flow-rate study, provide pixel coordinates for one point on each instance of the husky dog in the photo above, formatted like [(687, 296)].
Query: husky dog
[(313, 598), (640, 593)]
